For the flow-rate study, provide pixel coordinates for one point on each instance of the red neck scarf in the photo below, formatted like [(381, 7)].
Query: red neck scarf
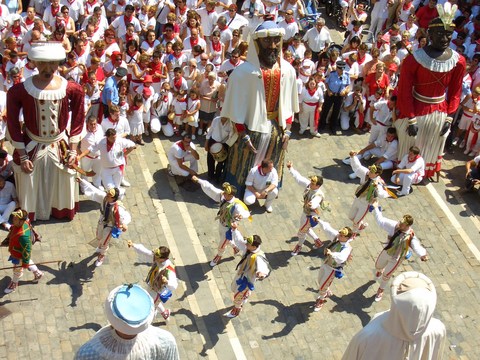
[(182, 11), (150, 43), (180, 145), (290, 21), (16, 30), (55, 10), (109, 146), (361, 60), (70, 2), (168, 38), (193, 42), (217, 47), (407, 6), (27, 20), (129, 37), (210, 11), (182, 100), (177, 83), (78, 55), (260, 170), (234, 64), (127, 20), (311, 92), (112, 121)]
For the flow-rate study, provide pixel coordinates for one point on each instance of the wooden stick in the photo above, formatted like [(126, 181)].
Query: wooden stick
[(40, 263)]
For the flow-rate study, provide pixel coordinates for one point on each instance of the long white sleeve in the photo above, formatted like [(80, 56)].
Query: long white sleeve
[(92, 192), (301, 180), (210, 190), (359, 170), (417, 247), (144, 254), (386, 224), (342, 256), (328, 229)]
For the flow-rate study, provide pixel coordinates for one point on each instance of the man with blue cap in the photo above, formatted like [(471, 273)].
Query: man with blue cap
[(130, 335), (261, 99)]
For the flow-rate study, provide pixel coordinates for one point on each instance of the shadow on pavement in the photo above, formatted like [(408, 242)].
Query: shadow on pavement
[(290, 315), (87, 326), (354, 303), (75, 275)]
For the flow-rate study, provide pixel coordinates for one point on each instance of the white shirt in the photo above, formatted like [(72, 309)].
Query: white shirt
[(92, 138), (8, 193), (218, 131), (317, 40), (389, 148), (176, 152), (120, 27), (121, 126), (115, 157), (418, 165), (259, 181)]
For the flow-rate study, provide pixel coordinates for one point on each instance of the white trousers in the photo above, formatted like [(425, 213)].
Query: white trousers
[(177, 170), (94, 165), (406, 180), (306, 117), (6, 211), (250, 198)]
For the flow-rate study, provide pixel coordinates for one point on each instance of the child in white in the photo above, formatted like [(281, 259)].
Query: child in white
[(179, 105), (159, 110), (381, 118), (191, 114), (135, 119), (311, 100)]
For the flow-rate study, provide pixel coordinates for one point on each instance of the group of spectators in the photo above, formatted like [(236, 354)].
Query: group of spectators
[(164, 66)]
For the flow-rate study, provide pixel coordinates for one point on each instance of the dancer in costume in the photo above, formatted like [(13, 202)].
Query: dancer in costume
[(371, 188), (337, 254), (266, 84), (253, 266), (429, 92), (162, 278), (130, 335), (313, 202), (400, 238), (46, 143), (232, 210), (114, 218), (408, 329), (21, 239)]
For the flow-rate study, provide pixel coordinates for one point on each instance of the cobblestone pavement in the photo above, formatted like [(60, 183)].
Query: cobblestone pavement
[(50, 320)]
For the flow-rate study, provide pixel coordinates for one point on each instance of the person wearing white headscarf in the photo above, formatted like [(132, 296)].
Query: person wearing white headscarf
[(130, 335), (408, 331), (266, 86)]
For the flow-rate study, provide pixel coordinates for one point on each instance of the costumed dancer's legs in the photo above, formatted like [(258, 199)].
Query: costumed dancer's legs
[(225, 236), (326, 275), (384, 267), (357, 213), (104, 235), (429, 141), (306, 228), (18, 273)]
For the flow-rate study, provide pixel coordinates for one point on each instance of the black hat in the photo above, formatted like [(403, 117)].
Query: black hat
[(121, 72), (341, 64)]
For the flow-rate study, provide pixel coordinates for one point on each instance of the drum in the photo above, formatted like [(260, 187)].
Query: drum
[(171, 116), (218, 152)]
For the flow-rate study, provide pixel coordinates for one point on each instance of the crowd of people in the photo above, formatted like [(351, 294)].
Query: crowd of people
[(85, 82)]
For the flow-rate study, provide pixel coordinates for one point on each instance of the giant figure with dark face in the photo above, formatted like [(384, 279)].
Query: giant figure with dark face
[(429, 92), (261, 99)]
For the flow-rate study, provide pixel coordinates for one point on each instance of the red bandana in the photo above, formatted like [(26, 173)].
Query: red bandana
[(193, 42), (177, 83), (127, 20), (27, 20), (311, 92), (55, 10), (217, 47), (17, 30), (109, 146)]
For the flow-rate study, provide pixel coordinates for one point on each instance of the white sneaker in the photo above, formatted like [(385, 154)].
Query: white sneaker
[(352, 176), (472, 153), (316, 134), (347, 161), (269, 209), (193, 137), (455, 141), (125, 183), (200, 132), (462, 144), (100, 260)]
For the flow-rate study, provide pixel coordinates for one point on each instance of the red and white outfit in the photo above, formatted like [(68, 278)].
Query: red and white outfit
[(260, 181), (310, 102), (112, 159), (178, 151), (179, 107), (415, 177), (50, 189), (341, 251), (364, 194), (92, 160), (429, 89), (398, 246)]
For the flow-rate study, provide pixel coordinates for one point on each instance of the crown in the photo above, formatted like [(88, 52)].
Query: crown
[(446, 13)]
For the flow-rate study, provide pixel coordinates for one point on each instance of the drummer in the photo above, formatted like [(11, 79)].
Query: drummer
[(216, 146)]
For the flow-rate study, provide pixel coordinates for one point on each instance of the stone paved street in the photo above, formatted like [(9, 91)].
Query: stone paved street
[(52, 319)]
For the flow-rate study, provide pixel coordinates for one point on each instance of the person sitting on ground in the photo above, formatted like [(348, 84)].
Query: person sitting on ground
[(472, 173), (262, 183), (410, 171), (181, 152)]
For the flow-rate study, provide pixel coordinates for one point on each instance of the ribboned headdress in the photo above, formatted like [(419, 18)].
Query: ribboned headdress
[(317, 180), (407, 220), (375, 169), (346, 231), (446, 14), (20, 214), (229, 189)]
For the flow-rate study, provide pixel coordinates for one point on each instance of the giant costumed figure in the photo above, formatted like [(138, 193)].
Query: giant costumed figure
[(46, 144), (429, 92), (261, 99)]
